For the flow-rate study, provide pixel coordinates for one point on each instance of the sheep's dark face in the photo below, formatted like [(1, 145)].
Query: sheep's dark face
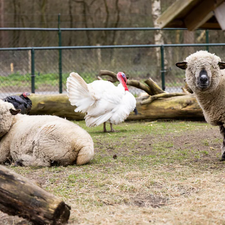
[(202, 71), (203, 81), (198, 78)]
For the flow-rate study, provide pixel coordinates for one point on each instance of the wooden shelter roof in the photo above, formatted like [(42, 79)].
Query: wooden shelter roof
[(193, 14)]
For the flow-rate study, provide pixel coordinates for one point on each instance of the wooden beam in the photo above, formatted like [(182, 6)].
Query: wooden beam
[(220, 15), (172, 12), (201, 13), (208, 25), (176, 23)]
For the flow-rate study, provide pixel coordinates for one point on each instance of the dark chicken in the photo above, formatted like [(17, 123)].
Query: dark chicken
[(21, 102)]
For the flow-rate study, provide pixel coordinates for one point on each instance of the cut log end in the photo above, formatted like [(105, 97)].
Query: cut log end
[(19, 196)]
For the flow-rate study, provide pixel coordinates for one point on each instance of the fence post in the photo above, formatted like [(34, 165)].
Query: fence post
[(162, 67), (32, 71), (60, 56), (207, 39)]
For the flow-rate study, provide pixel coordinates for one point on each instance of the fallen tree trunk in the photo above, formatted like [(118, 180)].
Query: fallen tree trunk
[(57, 105), (175, 107), (156, 104), (19, 196)]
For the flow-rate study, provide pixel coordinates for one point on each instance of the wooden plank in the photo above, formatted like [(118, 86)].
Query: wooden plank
[(172, 12), (201, 13), (220, 15), (208, 25)]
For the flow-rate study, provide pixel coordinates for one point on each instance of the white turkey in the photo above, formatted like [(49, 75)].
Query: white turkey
[(101, 100)]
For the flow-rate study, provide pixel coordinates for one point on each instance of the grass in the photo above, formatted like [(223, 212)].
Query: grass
[(146, 173), (51, 80), (17, 79)]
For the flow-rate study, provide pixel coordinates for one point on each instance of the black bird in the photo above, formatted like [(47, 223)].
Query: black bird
[(21, 102)]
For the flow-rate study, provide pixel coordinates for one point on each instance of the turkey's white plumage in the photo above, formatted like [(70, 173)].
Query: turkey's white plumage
[(101, 100)]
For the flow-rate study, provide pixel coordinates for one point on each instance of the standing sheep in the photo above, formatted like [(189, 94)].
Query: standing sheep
[(42, 140), (207, 81)]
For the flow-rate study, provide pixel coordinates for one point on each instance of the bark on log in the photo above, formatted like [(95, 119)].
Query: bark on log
[(19, 196), (158, 104), (177, 107), (58, 105)]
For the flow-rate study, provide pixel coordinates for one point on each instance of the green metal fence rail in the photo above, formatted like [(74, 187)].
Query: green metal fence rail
[(61, 48), (142, 60)]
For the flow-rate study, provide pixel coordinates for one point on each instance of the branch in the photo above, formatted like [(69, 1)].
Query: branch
[(108, 73), (150, 99), (151, 87), (154, 87), (133, 83), (139, 85)]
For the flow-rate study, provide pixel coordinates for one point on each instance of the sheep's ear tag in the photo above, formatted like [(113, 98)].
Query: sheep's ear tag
[(221, 65), (14, 112), (182, 65)]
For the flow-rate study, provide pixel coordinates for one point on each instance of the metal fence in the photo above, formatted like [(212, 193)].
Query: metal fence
[(45, 69)]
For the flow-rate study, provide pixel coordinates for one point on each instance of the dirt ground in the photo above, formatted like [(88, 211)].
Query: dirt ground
[(191, 157)]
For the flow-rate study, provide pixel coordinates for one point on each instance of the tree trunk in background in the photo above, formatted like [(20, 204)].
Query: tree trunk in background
[(156, 12)]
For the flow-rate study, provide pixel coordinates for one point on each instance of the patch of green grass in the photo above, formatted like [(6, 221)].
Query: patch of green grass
[(140, 165), (17, 79)]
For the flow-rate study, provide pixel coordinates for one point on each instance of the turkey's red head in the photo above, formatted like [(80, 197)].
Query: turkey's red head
[(123, 80), (25, 94)]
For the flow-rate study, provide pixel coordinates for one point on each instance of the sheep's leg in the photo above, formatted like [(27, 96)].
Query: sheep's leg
[(111, 126), (222, 131)]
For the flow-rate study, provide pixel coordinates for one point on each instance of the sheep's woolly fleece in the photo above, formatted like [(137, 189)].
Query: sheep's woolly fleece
[(205, 76), (211, 100), (196, 62), (43, 140), (202, 58)]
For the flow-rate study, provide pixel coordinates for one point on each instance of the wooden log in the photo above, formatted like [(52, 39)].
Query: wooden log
[(178, 107), (58, 105), (19, 196), (175, 107)]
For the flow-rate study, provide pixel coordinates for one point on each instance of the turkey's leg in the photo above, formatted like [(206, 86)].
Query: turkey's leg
[(104, 127), (111, 126)]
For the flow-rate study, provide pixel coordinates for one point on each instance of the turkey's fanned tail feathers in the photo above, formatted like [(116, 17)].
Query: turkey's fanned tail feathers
[(101, 100), (78, 93)]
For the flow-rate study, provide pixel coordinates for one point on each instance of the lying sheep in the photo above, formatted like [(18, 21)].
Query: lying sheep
[(42, 140), (207, 81)]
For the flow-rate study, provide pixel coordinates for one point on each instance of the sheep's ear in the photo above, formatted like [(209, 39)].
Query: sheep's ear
[(221, 65), (14, 112), (182, 65)]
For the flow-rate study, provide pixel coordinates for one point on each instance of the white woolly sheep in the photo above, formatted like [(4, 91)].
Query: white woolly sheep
[(207, 81), (42, 140)]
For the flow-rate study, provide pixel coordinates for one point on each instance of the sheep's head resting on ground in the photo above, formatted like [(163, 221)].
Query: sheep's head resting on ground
[(7, 113), (202, 71)]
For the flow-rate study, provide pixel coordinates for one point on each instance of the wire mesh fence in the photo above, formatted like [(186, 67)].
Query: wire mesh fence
[(139, 60)]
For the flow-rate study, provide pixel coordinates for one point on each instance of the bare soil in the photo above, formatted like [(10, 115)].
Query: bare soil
[(179, 181)]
